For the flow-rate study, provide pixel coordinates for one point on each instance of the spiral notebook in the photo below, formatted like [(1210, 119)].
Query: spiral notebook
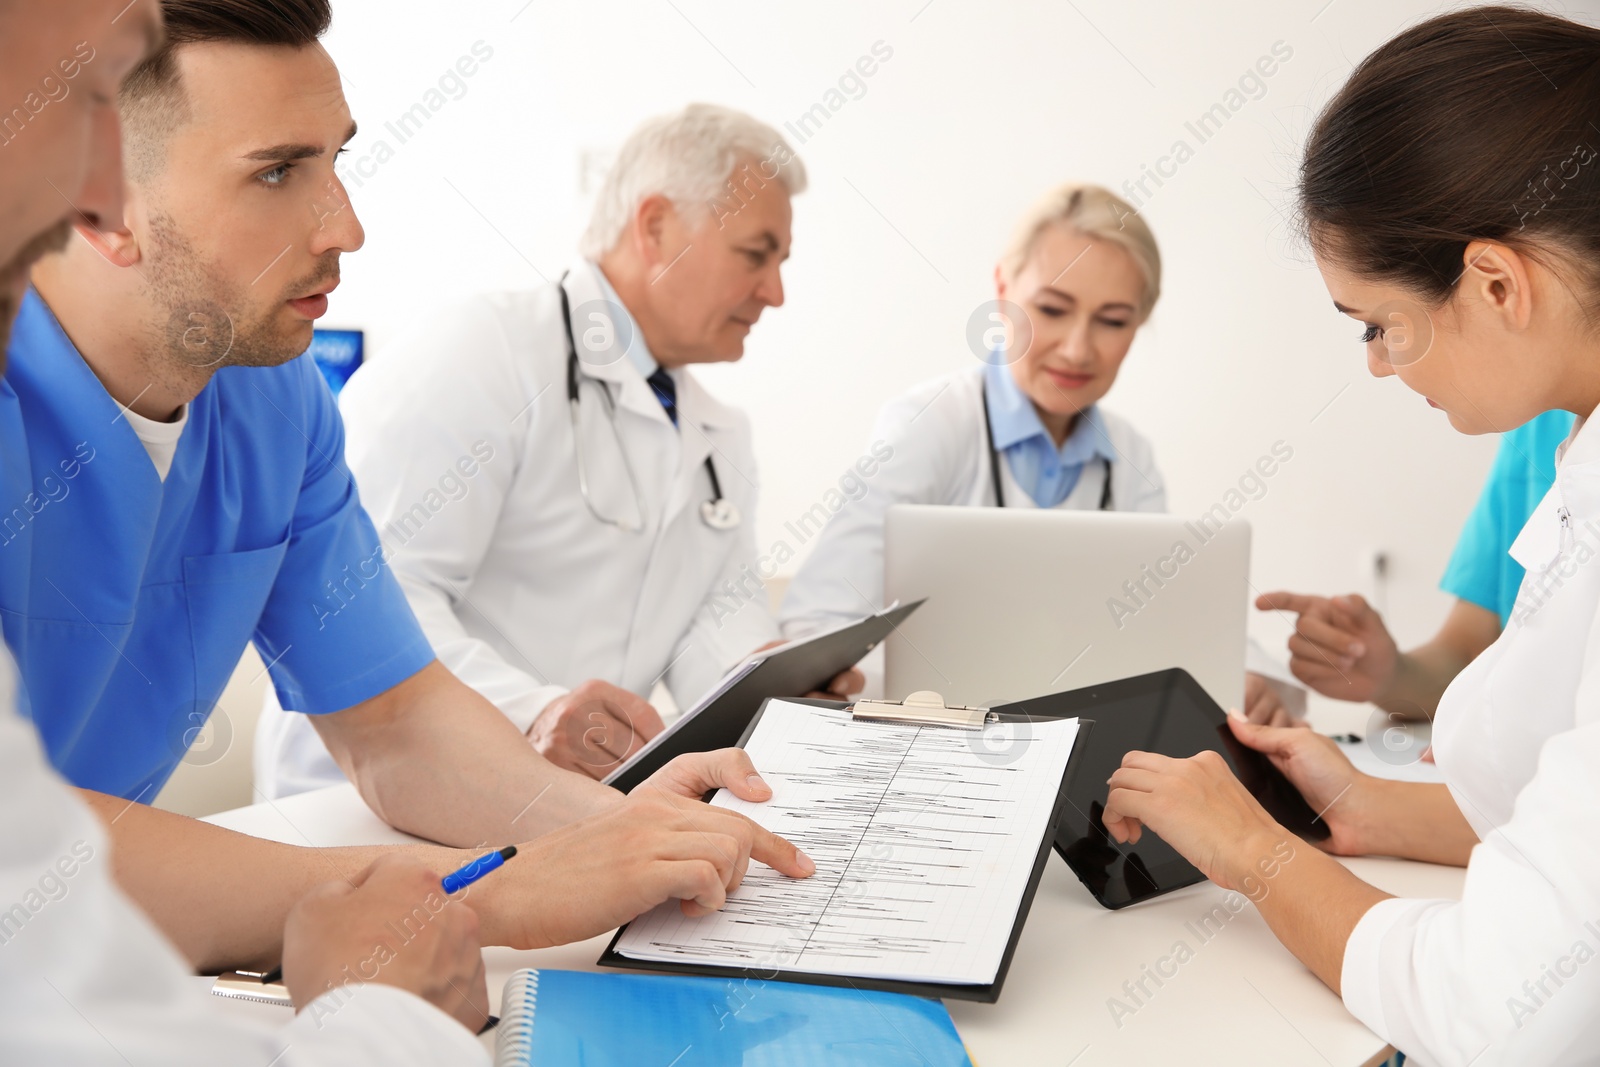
[(623, 1020)]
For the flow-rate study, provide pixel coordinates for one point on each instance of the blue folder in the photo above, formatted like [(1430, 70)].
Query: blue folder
[(623, 1020)]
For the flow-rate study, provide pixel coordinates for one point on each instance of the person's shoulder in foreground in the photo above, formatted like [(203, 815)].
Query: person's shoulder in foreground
[(85, 973)]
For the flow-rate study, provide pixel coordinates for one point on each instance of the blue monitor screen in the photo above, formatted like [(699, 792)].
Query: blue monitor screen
[(337, 353)]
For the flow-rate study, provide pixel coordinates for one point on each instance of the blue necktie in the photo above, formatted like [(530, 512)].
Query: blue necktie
[(666, 391)]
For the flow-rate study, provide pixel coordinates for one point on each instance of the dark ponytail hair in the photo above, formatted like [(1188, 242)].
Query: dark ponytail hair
[(1483, 124)]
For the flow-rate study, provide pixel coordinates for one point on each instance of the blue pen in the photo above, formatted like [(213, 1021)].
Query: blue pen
[(456, 881)]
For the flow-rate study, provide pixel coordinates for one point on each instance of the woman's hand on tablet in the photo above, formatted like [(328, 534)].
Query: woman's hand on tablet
[(1366, 816), (1199, 808), (1341, 796)]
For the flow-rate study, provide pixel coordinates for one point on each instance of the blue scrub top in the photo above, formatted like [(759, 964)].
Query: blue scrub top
[(128, 601), (1481, 569)]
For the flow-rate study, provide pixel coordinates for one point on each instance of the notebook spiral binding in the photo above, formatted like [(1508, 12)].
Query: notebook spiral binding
[(514, 1037)]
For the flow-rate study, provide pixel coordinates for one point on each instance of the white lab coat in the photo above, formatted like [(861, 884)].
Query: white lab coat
[(1517, 739), (940, 455), (521, 590), (86, 979)]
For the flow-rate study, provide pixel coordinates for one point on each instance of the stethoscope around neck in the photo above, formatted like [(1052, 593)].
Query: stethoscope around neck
[(719, 512), (994, 459)]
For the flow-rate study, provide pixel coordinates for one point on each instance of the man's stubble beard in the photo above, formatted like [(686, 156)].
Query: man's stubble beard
[(202, 321)]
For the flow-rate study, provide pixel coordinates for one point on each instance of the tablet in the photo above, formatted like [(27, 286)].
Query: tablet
[(789, 670), (1166, 712)]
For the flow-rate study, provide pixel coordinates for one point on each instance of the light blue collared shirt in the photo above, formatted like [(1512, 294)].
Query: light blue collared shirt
[(639, 353), (1045, 473)]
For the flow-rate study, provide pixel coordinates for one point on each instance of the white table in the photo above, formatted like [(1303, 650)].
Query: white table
[(1241, 999)]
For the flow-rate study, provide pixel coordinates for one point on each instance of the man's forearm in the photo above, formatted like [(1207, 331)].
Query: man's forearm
[(434, 758), (1424, 673), (1420, 679), (220, 896)]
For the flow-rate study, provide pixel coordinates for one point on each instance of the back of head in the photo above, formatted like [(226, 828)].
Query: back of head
[(1475, 125), (689, 157)]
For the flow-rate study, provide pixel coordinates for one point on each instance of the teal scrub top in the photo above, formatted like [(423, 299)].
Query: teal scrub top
[(1481, 570), (127, 600)]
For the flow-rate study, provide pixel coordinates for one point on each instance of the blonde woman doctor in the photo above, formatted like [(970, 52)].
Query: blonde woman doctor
[(1024, 428)]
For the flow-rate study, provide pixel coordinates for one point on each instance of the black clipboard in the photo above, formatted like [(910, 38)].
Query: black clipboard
[(803, 667), (987, 994)]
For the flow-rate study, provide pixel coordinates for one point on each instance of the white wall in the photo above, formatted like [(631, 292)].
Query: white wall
[(914, 188)]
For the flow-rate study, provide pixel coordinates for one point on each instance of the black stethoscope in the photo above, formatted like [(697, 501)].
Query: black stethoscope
[(994, 459), (719, 512)]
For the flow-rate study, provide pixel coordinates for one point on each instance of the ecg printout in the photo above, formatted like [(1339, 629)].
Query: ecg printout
[(924, 838)]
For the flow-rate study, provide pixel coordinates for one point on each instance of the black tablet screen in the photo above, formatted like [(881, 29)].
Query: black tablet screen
[(1166, 712)]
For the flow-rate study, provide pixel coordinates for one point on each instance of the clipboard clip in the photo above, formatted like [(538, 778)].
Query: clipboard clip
[(925, 708)]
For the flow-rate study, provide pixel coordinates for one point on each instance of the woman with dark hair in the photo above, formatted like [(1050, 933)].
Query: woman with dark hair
[(1451, 196)]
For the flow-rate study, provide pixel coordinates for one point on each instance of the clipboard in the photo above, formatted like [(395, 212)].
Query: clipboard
[(922, 709), (724, 717)]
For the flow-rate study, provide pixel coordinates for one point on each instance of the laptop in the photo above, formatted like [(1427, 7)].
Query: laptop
[(1024, 602)]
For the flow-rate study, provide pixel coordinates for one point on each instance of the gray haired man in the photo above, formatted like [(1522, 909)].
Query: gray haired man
[(570, 513)]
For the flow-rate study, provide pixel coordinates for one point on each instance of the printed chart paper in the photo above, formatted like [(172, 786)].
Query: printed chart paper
[(924, 839)]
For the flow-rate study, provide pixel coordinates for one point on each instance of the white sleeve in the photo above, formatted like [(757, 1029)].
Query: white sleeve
[(733, 620), (1136, 478), (1507, 975), (918, 447), (86, 979), (447, 400)]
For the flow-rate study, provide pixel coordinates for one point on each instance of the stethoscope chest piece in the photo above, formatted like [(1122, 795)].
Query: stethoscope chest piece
[(720, 514)]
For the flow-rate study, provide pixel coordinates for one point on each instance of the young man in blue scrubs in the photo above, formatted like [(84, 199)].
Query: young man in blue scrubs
[(1342, 649), (184, 493), (85, 974)]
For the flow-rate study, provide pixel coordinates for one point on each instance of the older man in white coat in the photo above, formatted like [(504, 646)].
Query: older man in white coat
[(565, 505)]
